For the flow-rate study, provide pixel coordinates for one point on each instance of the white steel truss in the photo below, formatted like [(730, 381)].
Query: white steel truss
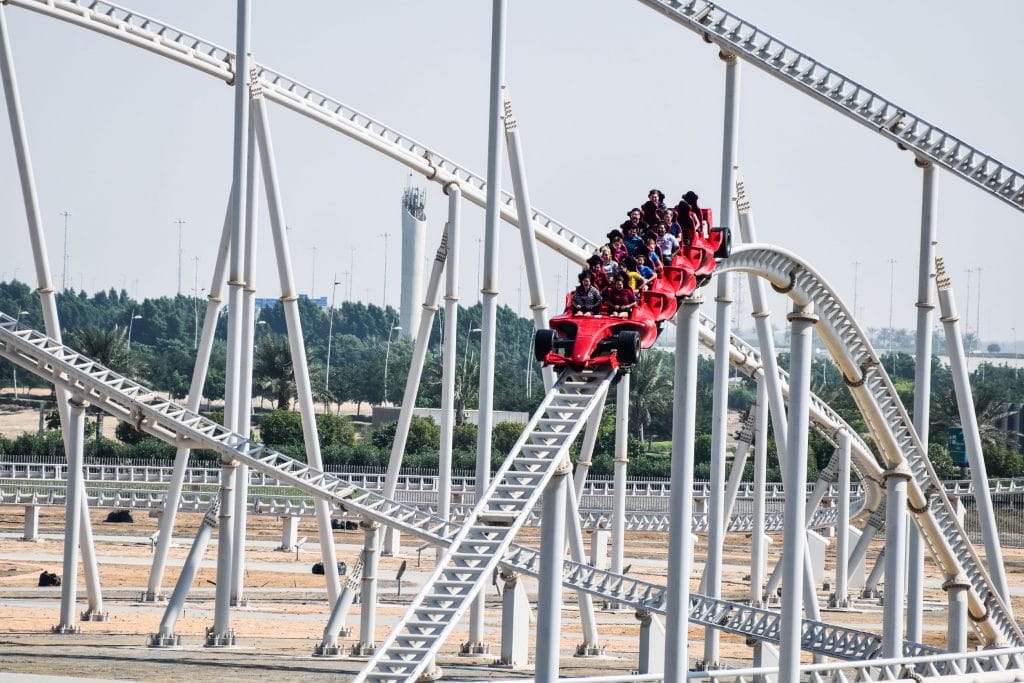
[(893, 431), (734, 35)]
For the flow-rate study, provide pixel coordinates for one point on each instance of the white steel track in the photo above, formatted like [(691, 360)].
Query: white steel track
[(857, 102), (893, 431)]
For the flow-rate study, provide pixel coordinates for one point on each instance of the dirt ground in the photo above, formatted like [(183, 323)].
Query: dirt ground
[(287, 609)]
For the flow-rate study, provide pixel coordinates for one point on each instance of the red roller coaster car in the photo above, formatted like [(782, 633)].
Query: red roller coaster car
[(600, 340)]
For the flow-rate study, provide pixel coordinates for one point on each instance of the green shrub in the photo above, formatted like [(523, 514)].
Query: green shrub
[(464, 437), (424, 435), (126, 433), (281, 428), (335, 430), (504, 436)]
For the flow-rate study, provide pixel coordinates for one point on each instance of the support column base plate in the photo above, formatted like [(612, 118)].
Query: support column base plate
[(588, 650), (158, 640)]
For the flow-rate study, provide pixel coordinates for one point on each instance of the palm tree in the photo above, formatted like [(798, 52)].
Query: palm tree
[(944, 414), (273, 376), (650, 390), (107, 347)]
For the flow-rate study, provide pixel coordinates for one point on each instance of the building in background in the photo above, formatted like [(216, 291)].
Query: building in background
[(414, 237)]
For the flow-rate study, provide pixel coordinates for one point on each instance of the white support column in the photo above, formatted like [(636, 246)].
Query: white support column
[(214, 301), (758, 538), (31, 523), (94, 590), (526, 231), (922, 383), (972, 436), (296, 343), (794, 552), (392, 543), (841, 597), (74, 488), (474, 644), (651, 655), (328, 645), (720, 389), (620, 465), (762, 322), (549, 585), (449, 365), (590, 647), (165, 636), (515, 622), (895, 561), (367, 644), (245, 370), (584, 461), (957, 615), (221, 634), (289, 533), (680, 561), (48, 300)]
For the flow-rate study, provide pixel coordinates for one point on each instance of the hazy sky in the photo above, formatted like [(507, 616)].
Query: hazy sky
[(612, 99)]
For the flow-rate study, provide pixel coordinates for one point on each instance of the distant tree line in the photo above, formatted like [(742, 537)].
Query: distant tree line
[(162, 352)]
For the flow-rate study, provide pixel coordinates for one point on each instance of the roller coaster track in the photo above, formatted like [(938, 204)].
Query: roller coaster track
[(136, 404), (892, 429), (158, 37), (736, 36)]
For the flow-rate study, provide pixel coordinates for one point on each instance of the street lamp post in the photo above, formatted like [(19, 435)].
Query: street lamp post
[(330, 335), (1016, 358), (131, 322), (180, 222), (67, 254), (387, 359), (384, 302), (892, 289)]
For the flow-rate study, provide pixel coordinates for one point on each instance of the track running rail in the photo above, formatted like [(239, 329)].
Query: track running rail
[(735, 36), (893, 431)]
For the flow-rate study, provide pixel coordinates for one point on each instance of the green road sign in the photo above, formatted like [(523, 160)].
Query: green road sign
[(957, 450)]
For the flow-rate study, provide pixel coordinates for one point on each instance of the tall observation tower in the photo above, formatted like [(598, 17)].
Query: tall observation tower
[(414, 235)]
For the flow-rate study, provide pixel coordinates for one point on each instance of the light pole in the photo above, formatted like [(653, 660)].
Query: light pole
[(195, 304), (312, 284), (351, 271), (892, 289), (384, 302), (465, 356), (330, 335), (180, 222), (14, 368), (387, 359), (131, 322), (67, 254), (1016, 359)]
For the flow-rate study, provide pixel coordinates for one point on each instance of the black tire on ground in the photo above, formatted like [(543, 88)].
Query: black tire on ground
[(725, 248), (627, 347), (543, 343), (48, 579), (120, 517)]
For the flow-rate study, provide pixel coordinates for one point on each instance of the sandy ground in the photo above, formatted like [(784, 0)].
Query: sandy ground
[(287, 608)]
